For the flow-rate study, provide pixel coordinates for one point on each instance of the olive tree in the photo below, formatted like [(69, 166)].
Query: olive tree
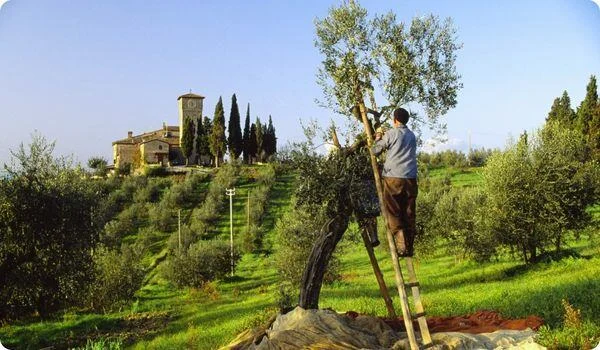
[(538, 189), (368, 57), (46, 232)]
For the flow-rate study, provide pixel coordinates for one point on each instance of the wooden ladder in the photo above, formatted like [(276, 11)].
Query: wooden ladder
[(361, 114), (419, 310)]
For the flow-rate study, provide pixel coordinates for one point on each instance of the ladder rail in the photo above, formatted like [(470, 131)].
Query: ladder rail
[(419, 309)]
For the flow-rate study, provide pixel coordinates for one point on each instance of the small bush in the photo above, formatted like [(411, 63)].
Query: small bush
[(150, 171), (152, 192), (208, 212), (574, 334), (252, 238), (188, 237), (118, 276), (204, 261), (186, 194), (162, 217)]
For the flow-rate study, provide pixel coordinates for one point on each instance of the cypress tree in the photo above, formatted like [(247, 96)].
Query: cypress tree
[(246, 136), (586, 110), (205, 144), (259, 139), (252, 149), (187, 139), (235, 140), (218, 142), (199, 136), (272, 139)]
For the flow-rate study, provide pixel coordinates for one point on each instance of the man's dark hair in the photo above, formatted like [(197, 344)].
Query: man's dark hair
[(401, 115)]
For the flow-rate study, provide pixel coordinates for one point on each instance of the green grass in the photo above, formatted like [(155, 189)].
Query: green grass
[(459, 177), (163, 317)]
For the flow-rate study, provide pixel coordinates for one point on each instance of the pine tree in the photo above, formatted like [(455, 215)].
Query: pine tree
[(562, 112), (235, 140), (586, 110), (218, 144), (246, 136), (187, 139), (252, 148), (259, 139), (594, 134)]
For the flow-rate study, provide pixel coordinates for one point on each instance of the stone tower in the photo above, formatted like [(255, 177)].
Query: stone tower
[(190, 106)]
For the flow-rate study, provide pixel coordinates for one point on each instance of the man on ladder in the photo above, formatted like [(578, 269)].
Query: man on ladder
[(399, 180), (398, 205)]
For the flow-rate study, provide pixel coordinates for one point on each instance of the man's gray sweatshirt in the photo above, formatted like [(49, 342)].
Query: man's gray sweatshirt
[(401, 158)]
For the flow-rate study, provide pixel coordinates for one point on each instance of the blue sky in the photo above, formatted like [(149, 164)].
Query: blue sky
[(85, 72)]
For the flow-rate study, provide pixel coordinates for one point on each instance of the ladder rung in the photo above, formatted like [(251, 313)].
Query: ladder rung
[(426, 346), (420, 314), (412, 284)]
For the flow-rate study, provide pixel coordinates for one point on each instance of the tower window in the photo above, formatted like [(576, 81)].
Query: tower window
[(160, 147)]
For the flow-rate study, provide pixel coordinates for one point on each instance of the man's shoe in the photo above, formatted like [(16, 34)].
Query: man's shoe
[(404, 253), (375, 243)]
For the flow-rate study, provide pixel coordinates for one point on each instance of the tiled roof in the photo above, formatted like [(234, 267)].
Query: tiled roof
[(190, 95), (152, 135), (155, 138)]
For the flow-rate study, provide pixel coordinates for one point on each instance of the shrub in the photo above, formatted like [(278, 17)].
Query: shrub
[(150, 171), (430, 192), (188, 236), (186, 194), (162, 217), (98, 165), (204, 261), (457, 219), (124, 170), (575, 332), (118, 275), (152, 192), (208, 212), (478, 157), (253, 234), (252, 238)]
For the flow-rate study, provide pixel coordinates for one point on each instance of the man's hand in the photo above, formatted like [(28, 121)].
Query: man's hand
[(379, 133)]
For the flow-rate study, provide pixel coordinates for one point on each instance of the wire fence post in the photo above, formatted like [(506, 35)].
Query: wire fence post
[(231, 193), (179, 227)]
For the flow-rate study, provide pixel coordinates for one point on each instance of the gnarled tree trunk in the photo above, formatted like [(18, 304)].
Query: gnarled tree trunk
[(312, 278)]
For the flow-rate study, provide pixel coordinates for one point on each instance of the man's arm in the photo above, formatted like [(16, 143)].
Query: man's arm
[(381, 143)]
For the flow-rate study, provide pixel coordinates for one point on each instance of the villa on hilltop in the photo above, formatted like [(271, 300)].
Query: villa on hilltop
[(162, 146)]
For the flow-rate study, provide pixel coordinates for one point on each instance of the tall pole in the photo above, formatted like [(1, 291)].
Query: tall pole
[(248, 211), (179, 227), (231, 193), (469, 155)]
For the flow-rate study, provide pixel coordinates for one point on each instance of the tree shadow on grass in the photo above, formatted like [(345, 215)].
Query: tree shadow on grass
[(545, 301), (127, 328)]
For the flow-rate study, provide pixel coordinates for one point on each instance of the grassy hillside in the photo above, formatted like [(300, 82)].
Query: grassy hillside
[(164, 317), (459, 177)]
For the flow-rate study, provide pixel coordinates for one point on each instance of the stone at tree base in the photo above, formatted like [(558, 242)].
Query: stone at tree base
[(326, 329)]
